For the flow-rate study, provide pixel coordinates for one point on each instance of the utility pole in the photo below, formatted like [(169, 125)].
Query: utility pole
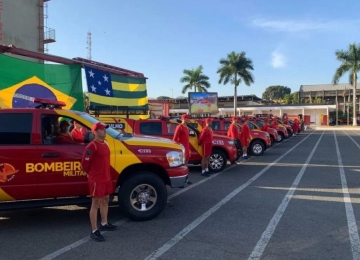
[(89, 46)]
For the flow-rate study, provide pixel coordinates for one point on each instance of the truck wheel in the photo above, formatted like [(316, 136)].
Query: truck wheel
[(257, 148), (280, 137), (217, 161), (143, 196)]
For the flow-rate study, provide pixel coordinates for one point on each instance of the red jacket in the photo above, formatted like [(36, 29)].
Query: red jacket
[(181, 135), (233, 132), (265, 127), (206, 136)]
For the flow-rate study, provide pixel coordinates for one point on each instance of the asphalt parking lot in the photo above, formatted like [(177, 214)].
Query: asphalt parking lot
[(300, 200)]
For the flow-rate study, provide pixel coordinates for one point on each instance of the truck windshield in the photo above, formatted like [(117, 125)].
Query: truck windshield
[(110, 131)]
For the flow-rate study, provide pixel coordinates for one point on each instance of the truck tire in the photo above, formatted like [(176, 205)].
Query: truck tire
[(143, 196), (217, 161), (257, 148), (280, 137)]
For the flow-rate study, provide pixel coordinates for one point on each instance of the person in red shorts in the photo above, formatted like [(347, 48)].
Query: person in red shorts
[(296, 126), (181, 136), (96, 163), (245, 139), (205, 140)]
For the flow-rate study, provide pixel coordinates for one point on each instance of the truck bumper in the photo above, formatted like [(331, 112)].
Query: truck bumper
[(178, 176)]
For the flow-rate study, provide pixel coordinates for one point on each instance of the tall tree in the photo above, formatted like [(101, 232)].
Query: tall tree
[(236, 68), (350, 63), (295, 97), (195, 79), (276, 92), (287, 99)]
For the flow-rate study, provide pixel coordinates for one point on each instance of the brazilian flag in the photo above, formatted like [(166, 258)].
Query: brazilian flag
[(21, 81)]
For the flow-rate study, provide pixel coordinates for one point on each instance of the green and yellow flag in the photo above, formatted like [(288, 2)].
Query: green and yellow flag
[(21, 81), (106, 89)]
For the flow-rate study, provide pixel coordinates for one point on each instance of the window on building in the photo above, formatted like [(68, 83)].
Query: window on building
[(15, 129)]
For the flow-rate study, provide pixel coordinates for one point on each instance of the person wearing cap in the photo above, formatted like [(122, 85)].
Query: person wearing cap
[(181, 136), (64, 137), (205, 140), (273, 123), (286, 122), (96, 163), (265, 126), (245, 139), (233, 131)]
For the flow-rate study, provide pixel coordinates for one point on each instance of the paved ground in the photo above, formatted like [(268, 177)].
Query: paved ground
[(287, 204)]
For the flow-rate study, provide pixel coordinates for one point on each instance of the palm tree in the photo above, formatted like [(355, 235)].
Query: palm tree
[(195, 80), (350, 62), (235, 69)]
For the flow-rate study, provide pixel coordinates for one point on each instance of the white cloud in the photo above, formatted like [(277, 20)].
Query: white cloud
[(305, 25), (278, 60)]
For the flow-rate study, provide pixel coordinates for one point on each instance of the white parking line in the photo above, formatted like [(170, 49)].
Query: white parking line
[(352, 140), (269, 231), (169, 244), (352, 226)]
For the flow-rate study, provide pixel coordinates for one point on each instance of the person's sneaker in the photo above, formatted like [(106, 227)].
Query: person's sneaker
[(108, 227), (205, 174), (97, 236)]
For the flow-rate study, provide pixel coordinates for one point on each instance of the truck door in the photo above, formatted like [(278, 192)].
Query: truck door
[(60, 174), (17, 152)]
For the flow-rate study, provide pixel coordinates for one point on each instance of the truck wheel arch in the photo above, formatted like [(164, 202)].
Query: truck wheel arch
[(133, 169)]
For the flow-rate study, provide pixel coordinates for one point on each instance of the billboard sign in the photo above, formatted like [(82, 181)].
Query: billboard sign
[(203, 103)]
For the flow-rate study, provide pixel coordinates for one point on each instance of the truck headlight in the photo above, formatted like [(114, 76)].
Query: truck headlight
[(175, 158), (231, 142)]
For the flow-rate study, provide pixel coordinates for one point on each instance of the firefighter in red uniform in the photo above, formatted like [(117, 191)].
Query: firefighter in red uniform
[(205, 140), (245, 139), (286, 121), (64, 137), (265, 126), (273, 123), (78, 131), (296, 126), (233, 131), (181, 136), (96, 163)]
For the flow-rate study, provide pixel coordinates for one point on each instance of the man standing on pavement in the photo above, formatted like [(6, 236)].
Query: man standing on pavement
[(96, 163), (205, 140), (245, 139), (181, 136), (233, 131)]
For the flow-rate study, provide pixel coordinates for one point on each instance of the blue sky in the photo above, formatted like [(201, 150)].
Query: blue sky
[(291, 43)]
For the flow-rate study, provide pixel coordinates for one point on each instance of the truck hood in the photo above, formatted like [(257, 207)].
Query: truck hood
[(151, 141)]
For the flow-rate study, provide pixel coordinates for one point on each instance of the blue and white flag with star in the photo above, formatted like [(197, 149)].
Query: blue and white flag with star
[(99, 82)]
